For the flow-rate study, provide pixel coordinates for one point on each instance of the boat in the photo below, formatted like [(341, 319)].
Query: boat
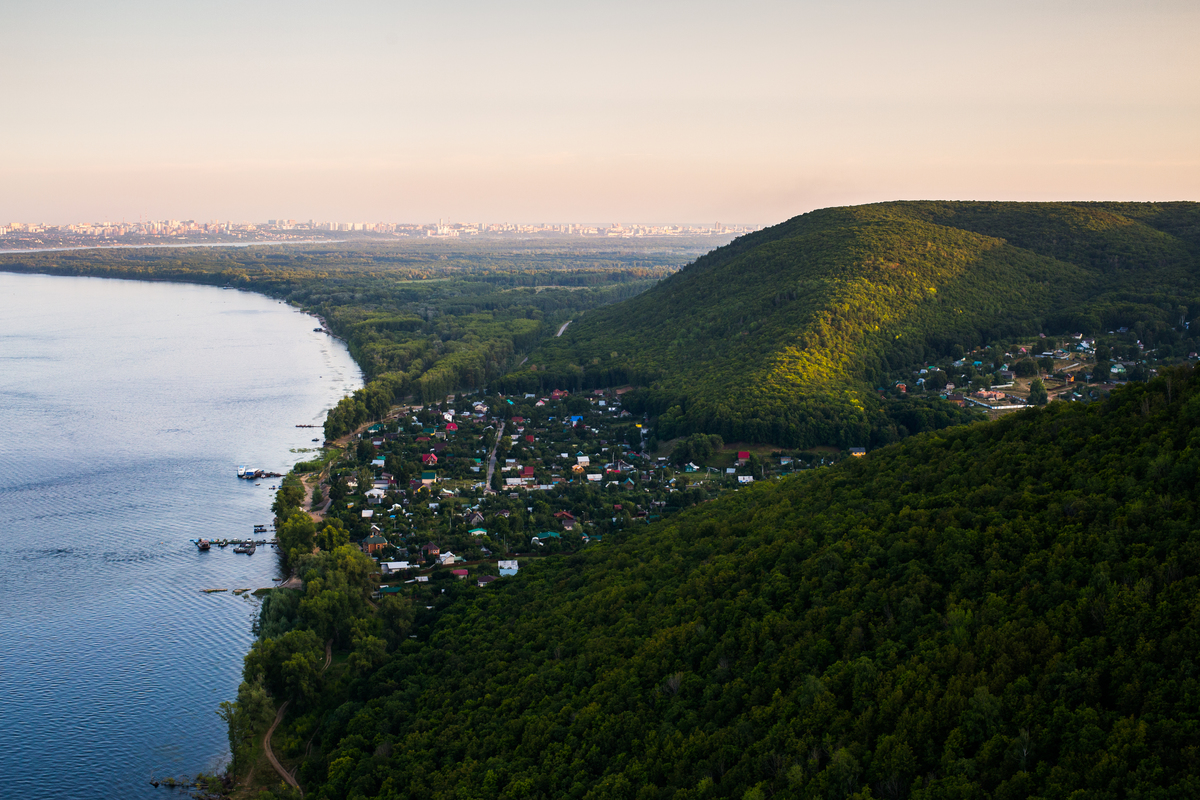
[(203, 544), (241, 470), (247, 547)]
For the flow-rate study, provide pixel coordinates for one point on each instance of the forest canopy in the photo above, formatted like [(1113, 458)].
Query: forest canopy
[(1009, 609)]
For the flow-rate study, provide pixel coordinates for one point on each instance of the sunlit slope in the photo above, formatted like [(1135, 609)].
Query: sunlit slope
[(781, 335)]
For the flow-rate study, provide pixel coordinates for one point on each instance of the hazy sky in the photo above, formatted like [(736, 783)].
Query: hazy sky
[(613, 111)]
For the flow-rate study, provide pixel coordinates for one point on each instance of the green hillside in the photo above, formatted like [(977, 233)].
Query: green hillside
[(781, 335), (1006, 610)]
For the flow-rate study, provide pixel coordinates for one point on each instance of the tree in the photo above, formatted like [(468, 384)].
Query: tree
[(332, 535), (296, 536), (1037, 392), (1025, 368)]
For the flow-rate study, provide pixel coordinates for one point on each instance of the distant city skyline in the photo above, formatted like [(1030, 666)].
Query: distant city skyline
[(23, 236), (533, 111)]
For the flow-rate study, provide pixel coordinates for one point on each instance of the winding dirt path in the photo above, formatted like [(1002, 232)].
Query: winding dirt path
[(287, 776), (271, 753)]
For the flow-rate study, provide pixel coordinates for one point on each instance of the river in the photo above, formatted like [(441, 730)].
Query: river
[(125, 408)]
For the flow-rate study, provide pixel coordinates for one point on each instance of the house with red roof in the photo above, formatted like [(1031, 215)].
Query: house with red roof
[(429, 459)]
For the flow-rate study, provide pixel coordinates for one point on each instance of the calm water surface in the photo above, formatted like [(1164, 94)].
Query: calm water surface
[(125, 408)]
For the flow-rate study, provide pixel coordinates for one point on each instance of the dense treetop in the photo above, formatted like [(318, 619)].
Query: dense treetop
[(781, 335)]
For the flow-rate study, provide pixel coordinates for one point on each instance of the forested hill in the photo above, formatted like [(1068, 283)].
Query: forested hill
[(781, 335), (1006, 610)]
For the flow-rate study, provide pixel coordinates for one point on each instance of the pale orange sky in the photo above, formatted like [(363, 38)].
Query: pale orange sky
[(537, 111)]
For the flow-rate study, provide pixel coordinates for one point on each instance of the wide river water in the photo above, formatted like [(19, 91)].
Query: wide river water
[(125, 408)]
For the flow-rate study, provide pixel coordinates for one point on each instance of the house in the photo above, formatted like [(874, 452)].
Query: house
[(373, 544), (558, 394), (484, 580), (459, 573), (475, 519), (428, 478), (447, 558), (375, 496), (529, 438), (368, 514), (431, 550), (858, 452), (507, 568), (389, 567), (743, 456), (451, 426), (429, 459), (478, 531), (527, 472), (745, 479), (566, 518)]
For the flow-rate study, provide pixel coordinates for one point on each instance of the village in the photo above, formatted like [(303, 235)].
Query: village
[(474, 486), (999, 379)]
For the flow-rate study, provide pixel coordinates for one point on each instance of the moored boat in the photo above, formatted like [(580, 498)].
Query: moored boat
[(203, 544), (247, 547)]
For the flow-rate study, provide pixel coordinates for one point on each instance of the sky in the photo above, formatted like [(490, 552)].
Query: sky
[(522, 111)]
